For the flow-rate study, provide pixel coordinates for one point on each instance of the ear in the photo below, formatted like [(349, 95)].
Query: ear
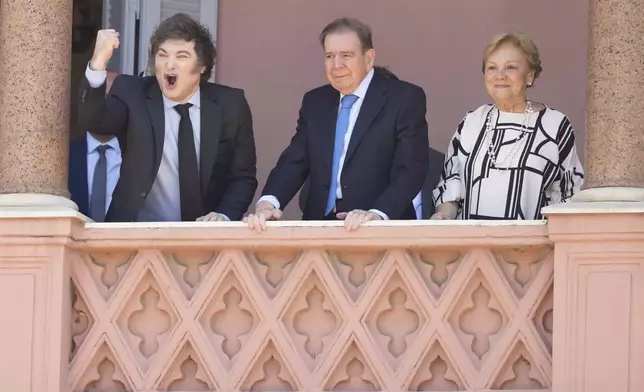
[(530, 78), (371, 57)]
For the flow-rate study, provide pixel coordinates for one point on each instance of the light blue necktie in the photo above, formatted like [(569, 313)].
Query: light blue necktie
[(341, 127)]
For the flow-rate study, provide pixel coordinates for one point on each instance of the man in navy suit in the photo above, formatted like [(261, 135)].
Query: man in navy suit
[(361, 140), (423, 202), (94, 166)]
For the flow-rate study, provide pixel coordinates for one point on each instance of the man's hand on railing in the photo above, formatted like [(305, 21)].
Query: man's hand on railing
[(264, 211), (355, 218), (213, 217)]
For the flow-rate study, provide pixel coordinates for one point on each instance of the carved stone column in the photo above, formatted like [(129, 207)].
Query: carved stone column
[(35, 257), (599, 237), (615, 118), (35, 42)]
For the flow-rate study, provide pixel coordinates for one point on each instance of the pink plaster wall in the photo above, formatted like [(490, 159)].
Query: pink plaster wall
[(271, 50)]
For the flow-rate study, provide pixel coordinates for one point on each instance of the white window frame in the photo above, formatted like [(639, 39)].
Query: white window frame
[(150, 18), (127, 32)]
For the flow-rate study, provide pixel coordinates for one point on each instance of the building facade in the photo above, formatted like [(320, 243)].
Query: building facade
[(553, 305)]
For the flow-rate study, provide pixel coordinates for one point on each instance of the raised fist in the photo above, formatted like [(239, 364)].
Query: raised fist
[(106, 41)]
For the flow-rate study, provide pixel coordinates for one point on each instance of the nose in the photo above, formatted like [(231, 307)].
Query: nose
[(170, 64), (338, 62)]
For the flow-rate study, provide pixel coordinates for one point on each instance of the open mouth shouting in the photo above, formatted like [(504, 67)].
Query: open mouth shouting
[(170, 80)]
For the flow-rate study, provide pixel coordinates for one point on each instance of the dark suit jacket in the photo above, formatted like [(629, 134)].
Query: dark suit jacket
[(77, 180), (134, 112), (436, 162), (386, 161)]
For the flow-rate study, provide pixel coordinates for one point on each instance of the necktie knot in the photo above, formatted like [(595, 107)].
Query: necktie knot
[(183, 109), (102, 148), (348, 101)]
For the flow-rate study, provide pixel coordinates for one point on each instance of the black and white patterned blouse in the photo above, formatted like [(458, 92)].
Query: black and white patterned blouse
[(537, 165)]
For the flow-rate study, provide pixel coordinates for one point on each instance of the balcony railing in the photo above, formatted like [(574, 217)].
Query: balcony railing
[(305, 306), (308, 306)]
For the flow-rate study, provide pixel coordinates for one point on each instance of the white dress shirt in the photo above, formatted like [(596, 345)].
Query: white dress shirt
[(360, 92), (163, 203), (113, 160), (418, 205)]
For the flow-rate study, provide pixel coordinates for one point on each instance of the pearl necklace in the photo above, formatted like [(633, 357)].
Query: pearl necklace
[(489, 134)]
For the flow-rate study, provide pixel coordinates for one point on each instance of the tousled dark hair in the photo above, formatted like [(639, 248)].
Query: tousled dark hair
[(362, 30), (182, 26)]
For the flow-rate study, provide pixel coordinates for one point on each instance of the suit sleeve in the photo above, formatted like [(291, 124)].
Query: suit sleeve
[(292, 168), (411, 157), (243, 170), (100, 114)]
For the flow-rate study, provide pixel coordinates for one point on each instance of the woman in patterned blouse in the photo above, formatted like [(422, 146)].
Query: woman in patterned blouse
[(509, 159)]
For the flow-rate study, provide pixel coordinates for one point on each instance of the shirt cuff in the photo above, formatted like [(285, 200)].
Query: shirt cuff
[(418, 205), (380, 213), (271, 199), (227, 218), (95, 78)]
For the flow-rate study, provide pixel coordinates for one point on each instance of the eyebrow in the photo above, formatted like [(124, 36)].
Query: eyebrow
[(509, 61), (179, 52), (344, 52)]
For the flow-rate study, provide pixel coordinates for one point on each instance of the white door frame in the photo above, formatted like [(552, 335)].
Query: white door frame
[(127, 31), (150, 18), (209, 17)]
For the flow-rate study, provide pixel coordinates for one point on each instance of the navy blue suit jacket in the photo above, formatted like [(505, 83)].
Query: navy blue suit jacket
[(436, 163), (77, 180)]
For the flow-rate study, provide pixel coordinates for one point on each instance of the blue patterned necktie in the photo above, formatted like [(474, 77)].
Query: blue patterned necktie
[(341, 127)]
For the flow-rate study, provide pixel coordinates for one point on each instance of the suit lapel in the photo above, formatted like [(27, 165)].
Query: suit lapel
[(373, 103), (327, 121), (155, 107), (211, 124)]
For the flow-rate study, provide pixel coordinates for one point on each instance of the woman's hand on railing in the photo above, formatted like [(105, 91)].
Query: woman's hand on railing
[(445, 211)]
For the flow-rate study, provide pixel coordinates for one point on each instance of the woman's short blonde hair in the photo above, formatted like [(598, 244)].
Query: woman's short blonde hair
[(520, 41)]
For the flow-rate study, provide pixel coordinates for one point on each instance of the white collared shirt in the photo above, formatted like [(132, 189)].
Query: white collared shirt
[(113, 160), (418, 205), (163, 203)]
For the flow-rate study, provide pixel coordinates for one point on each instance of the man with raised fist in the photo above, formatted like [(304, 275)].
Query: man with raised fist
[(189, 148)]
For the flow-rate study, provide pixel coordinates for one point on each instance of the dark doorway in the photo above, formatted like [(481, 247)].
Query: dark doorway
[(87, 20)]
